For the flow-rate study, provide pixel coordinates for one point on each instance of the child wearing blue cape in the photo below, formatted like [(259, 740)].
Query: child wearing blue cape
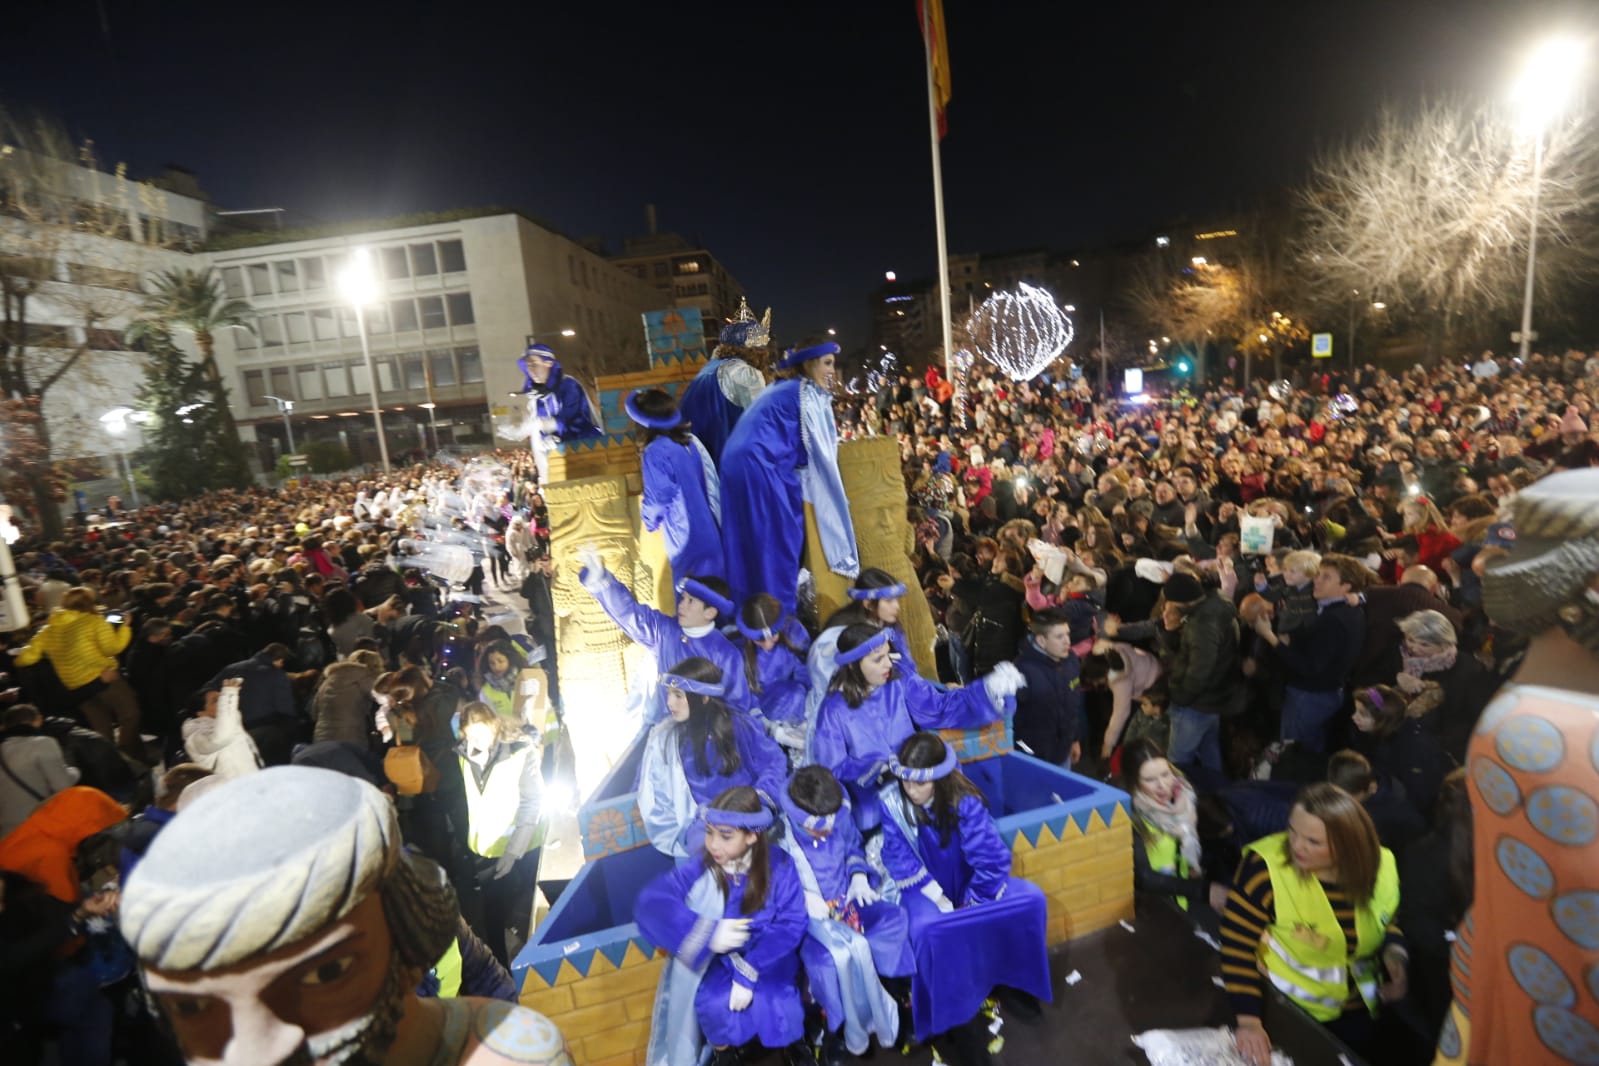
[(872, 707), (700, 751), (858, 942), (774, 665), (703, 607), (973, 927), (875, 600), (682, 493), (732, 918)]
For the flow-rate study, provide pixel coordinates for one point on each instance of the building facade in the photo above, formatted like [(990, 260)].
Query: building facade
[(683, 275)]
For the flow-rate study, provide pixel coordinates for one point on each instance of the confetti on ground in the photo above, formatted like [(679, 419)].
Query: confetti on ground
[(1215, 945), (1218, 982), (1073, 977), (1125, 924)]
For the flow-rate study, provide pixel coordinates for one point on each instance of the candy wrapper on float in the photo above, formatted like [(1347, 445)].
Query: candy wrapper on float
[(1197, 1047)]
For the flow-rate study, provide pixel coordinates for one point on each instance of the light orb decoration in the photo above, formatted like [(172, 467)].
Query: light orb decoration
[(1020, 332), (1281, 390), (1341, 406), (871, 378)]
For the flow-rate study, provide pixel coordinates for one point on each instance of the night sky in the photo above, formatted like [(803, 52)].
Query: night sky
[(791, 138)]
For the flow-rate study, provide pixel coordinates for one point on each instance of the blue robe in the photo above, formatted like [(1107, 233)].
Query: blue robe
[(673, 787), (666, 640), (563, 400), (857, 742), (995, 936), (821, 663), (710, 412), (681, 499), (768, 964), (783, 454), (785, 684)]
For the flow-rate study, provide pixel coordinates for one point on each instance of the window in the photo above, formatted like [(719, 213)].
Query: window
[(360, 380), (424, 260), (432, 312), (347, 322), (395, 265), (452, 256), (233, 282), (309, 379), (245, 339), (298, 326), (404, 314), (314, 274), (442, 362), (688, 266), (377, 320), (471, 365), (337, 380), (271, 328), (583, 272), (571, 267), (660, 270), (460, 305), (414, 371), (387, 382), (255, 388), (324, 324), (282, 382), (288, 278), (260, 279), (106, 340)]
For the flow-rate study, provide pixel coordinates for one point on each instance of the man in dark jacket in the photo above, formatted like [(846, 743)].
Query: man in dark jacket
[(1050, 717), (266, 702), (1381, 657), (1318, 659), (1203, 669)]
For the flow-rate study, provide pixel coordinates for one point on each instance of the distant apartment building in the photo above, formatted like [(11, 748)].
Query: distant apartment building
[(683, 274)]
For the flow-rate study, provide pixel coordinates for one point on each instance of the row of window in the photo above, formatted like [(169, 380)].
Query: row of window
[(597, 277), (331, 323), (287, 277), (403, 372)]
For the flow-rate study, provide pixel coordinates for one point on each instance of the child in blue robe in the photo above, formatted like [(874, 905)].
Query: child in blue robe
[(774, 665), (702, 603), (871, 707), (703, 749), (732, 918), (857, 939), (973, 927), (875, 599), (682, 494)]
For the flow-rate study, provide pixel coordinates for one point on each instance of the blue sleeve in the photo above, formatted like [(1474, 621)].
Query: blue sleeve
[(932, 707), (643, 625), (823, 485), (481, 973), (739, 695), (830, 747), (762, 758), (574, 420), (778, 929), (983, 851), (902, 861), (663, 915), (661, 493)]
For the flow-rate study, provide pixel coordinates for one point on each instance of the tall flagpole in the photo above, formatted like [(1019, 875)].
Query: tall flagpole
[(938, 202)]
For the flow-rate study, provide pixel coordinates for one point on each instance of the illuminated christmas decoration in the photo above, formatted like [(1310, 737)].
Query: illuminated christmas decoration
[(1281, 390), (873, 378), (962, 363), (1020, 332)]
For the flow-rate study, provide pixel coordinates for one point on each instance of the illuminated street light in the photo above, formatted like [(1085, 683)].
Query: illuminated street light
[(831, 332), (359, 284), (568, 332), (116, 423), (287, 407), (1199, 261), (1162, 242), (1545, 85), (890, 276), (1378, 305)]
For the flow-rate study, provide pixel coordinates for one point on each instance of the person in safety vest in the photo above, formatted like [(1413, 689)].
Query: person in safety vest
[(1311, 911), (500, 767), (1166, 850), (467, 968)]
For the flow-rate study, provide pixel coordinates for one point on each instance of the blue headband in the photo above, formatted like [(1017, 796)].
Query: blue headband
[(888, 592), (647, 421), (863, 649), (795, 356), (823, 823), (724, 606), (688, 684), (770, 632), (929, 773), (738, 819), (543, 351)]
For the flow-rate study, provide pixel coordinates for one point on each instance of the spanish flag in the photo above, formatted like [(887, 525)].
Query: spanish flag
[(931, 14)]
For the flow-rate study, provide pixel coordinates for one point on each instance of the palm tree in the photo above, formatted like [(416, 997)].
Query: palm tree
[(192, 301)]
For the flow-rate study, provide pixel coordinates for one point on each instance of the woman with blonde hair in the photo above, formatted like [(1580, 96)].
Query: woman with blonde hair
[(82, 646)]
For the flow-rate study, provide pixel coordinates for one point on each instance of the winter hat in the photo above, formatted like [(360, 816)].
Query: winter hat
[(1184, 588), (1545, 578)]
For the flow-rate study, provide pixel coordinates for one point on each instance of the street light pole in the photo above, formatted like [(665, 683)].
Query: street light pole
[(285, 406), (1532, 246), (360, 287), (372, 386)]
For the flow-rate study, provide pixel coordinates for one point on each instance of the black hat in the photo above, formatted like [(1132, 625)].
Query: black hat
[(1184, 588)]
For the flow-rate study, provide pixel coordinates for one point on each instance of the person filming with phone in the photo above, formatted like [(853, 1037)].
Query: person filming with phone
[(81, 646)]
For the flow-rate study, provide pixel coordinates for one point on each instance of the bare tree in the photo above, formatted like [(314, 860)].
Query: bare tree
[(70, 274), (1430, 212)]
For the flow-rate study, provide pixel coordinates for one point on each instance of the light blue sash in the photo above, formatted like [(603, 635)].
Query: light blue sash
[(892, 801), (675, 1038), (665, 803)]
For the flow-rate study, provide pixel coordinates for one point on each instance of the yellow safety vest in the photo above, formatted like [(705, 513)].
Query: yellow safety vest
[(1166, 858), (491, 811), (1304, 953), (448, 971)]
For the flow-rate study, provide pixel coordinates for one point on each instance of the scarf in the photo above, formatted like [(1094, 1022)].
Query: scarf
[(1421, 666), (1180, 819)]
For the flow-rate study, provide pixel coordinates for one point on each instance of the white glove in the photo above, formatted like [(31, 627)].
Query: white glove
[(589, 557), (860, 891), (730, 935), (816, 907), (740, 998), (1003, 681), (547, 425), (935, 893), (788, 735)]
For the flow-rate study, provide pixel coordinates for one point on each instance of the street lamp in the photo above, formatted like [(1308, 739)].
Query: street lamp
[(1545, 84), (286, 406), (116, 423), (359, 284)]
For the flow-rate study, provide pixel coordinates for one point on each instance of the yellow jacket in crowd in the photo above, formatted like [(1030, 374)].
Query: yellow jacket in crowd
[(81, 645)]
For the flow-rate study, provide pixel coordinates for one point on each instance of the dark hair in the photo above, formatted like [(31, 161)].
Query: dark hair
[(1350, 571), (1387, 710), (708, 719), (921, 751), (848, 679), (816, 791), (860, 610), (278, 652), (1451, 820), (1047, 619), (716, 585), (1350, 771), (761, 611), (745, 800), (1135, 753), (658, 403), (20, 714), (339, 605)]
